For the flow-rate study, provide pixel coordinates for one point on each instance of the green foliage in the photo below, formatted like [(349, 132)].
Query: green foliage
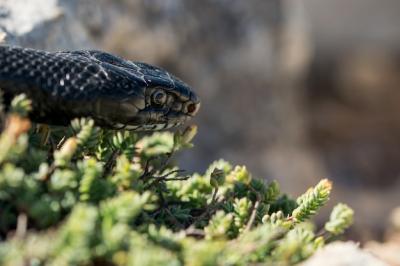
[(88, 196), (87, 134), (312, 200), (341, 218), (20, 105)]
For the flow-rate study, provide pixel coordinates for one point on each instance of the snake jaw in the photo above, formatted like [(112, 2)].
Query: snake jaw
[(156, 119)]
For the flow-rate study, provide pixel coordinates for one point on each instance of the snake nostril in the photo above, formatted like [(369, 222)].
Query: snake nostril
[(191, 108)]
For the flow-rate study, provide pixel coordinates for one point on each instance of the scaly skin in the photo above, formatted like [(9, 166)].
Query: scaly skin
[(116, 93)]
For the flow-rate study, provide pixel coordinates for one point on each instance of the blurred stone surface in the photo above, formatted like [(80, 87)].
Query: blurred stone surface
[(20, 18), (353, 89), (43, 24), (353, 118), (389, 249), (347, 25), (343, 254)]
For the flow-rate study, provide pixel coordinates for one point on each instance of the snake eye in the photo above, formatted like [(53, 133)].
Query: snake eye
[(159, 97)]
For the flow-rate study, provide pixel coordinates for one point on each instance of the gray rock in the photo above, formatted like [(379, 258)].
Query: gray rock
[(343, 254), (43, 24)]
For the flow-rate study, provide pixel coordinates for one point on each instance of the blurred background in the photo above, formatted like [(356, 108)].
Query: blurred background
[(296, 90)]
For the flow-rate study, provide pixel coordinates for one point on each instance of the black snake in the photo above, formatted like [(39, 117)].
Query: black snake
[(116, 93)]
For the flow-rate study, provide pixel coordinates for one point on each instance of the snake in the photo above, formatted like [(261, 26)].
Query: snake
[(116, 93)]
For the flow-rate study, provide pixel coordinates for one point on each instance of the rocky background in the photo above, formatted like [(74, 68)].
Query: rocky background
[(295, 89)]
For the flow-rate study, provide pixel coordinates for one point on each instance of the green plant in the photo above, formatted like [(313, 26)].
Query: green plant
[(87, 196)]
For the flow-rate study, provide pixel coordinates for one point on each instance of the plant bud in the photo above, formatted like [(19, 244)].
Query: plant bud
[(217, 178), (266, 218), (188, 134)]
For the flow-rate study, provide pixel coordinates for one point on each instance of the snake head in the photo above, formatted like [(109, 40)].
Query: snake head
[(167, 107), (153, 99), (168, 101)]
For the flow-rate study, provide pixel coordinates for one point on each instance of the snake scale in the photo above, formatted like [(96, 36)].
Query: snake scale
[(116, 93)]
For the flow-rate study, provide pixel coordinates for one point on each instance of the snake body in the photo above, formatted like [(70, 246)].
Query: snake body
[(116, 93)]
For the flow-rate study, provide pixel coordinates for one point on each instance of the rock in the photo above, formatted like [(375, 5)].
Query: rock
[(388, 251), (19, 18), (43, 24), (343, 254)]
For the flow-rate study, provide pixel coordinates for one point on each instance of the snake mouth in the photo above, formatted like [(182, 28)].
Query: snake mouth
[(159, 109), (150, 119), (142, 116), (164, 110)]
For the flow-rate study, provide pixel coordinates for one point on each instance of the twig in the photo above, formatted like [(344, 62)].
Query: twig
[(61, 142), (328, 236), (321, 232), (110, 162), (45, 134), (253, 216), (52, 143), (214, 196), (158, 179), (174, 220), (208, 210), (146, 171), (254, 210), (177, 178), (194, 232), (22, 225), (49, 172), (167, 160), (164, 206)]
